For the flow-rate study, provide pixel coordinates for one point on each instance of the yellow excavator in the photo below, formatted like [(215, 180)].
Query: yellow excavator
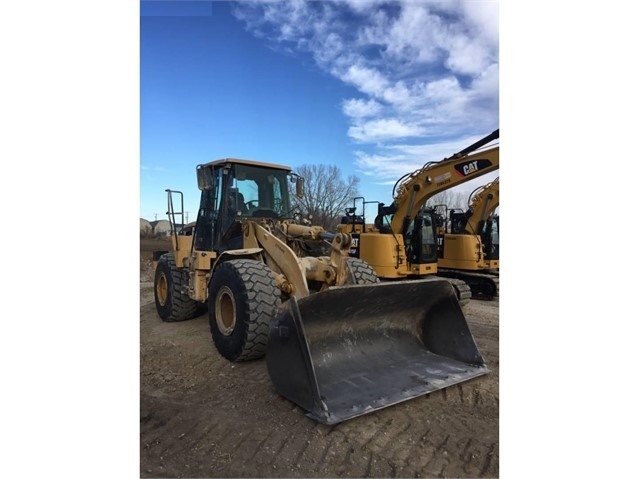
[(480, 219), (469, 242), (338, 342), (403, 242)]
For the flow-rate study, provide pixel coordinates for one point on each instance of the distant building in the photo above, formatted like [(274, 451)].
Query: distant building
[(161, 227), (145, 226)]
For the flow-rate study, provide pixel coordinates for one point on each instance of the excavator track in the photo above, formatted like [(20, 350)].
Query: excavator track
[(482, 286), (462, 290)]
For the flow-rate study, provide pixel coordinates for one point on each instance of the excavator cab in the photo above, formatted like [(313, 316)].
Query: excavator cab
[(490, 238), (457, 221), (421, 238)]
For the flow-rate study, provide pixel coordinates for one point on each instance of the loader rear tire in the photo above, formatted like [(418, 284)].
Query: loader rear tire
[(171, 302), (360, 272), (243, 297)]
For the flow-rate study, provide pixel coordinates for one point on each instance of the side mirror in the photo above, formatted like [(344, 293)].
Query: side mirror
[(299, 187), (205, 179)]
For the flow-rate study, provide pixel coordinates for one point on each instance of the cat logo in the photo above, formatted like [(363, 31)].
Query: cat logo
[(353, 252), (470, 167)]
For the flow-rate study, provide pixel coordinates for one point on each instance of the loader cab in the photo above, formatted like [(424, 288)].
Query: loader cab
[(234, 191)]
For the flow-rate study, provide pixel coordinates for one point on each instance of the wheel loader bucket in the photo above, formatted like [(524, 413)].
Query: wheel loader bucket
[(351, 350)]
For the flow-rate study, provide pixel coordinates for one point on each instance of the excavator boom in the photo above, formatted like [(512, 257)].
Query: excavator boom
[(414, 190), (484, 200)]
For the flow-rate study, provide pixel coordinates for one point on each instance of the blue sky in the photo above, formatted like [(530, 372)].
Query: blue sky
[(377, 88)]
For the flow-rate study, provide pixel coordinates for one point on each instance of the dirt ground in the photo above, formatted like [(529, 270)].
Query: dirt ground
[(202, 416)]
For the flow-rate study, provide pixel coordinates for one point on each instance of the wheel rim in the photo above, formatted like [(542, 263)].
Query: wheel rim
[(162, 289), (225, 311)]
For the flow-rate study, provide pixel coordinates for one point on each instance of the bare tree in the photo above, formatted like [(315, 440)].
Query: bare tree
[(326, 194), (452, 199), (448, 200)]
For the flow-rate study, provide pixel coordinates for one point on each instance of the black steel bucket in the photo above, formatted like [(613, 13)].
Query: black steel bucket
[(351, 350)]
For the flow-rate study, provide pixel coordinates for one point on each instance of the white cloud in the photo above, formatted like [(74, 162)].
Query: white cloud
[(385, 169), (484, 18), (391, 162), (383, 129), (358, 108), (415, 35), (400, 96), (364, 6), (425, 69), (330, 49), (366, 80), (468, 56), (152, 168)]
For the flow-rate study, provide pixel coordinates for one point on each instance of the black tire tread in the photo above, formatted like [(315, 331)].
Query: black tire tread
[(360, 272), (262, 297), (182, 306)]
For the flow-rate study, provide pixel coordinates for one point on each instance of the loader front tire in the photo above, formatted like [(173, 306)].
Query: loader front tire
[(243, 297), (171, 302), (360, 272)]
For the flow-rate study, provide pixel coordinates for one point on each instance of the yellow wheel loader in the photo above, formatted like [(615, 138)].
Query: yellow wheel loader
[(403, 242), (469, 242), (338, 343)]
